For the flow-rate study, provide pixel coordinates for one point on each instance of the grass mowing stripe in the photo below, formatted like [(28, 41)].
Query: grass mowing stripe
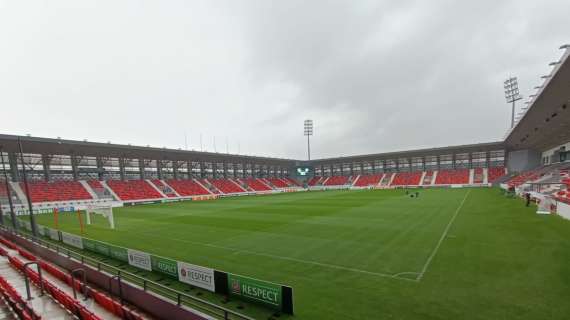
[(443, 235), (316, 263), (504, 261)]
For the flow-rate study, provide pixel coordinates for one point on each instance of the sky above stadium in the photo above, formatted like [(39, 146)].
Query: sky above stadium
[(375, 76)]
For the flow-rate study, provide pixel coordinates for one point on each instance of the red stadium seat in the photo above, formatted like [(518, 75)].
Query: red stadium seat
[(495, 173), (278, 182), (226, 186), (407, 178), (458, 176), (187, 187), (314, 180), (292, 182), (43, 191), (369, 180), (133, 189), (336, 181), (164, 188), (256, 184)]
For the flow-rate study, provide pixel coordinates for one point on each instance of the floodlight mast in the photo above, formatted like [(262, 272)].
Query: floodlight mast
[(27, 189), (512, 95), (308, 126)]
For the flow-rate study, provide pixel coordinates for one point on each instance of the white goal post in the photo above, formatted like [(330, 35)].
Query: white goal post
[(105, 211), (546, 205)]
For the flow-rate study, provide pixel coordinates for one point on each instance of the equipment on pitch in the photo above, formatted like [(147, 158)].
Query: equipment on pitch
[(105, 211), (546, 205)]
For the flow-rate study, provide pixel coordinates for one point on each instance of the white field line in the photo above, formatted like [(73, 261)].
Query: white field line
[(443, 236), (326, 265)]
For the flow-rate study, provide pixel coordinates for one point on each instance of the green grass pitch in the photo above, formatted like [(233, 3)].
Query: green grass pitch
[(372, 254)]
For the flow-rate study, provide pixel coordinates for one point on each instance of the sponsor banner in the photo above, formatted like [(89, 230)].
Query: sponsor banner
[(44, 231), (196, 276), (170, 200), (139, 259), (54, 234), (118, 253), (96, 246), (141, 203), (72, 240), (255, 290), (89, 245), (164, 265), (102, 248)]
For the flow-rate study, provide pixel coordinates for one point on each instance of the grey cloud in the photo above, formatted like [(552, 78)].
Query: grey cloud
[(374, 75)]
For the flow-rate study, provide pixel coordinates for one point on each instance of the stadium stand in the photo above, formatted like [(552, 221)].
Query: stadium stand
[(57, 283), (495, 173), (407, 178), (133, 189), (524, 177), (187, 187), (95, 184), (255, 184), (448, 176), (43, 191), (3, 191), (428, 178), (337, 181), (226, 186), (478, 175), (167, 190), (291, 182), (278, 182), (368, 180), (314, 180), (387, 179)]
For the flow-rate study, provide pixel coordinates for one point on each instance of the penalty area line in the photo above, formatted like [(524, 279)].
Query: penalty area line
[(443, 236)]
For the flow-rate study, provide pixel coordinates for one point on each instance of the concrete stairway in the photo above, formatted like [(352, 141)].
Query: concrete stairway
[(43, 305)]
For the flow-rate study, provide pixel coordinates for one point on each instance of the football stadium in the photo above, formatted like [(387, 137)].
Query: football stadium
[(102, 230)]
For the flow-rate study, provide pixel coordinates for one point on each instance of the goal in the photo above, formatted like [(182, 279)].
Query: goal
[(105, 211), (546, 205)]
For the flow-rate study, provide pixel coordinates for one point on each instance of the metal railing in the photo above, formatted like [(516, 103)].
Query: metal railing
[(175, 296)]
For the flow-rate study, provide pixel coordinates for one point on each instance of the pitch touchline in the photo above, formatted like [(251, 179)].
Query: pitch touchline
[(327, 265), (444, 234)]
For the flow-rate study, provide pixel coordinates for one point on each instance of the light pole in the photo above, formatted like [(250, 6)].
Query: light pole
[(8, 193), (27, 189), (308, 133), (512, 95)]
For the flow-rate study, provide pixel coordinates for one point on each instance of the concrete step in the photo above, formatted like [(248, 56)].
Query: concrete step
[(89, 303), (5, 312), (43, 305)]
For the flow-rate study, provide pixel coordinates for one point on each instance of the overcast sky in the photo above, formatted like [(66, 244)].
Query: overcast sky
[(375, 76)]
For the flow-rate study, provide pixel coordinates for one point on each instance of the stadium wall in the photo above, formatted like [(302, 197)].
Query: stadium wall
[(555, 155), (563, 210), (274, 296), (522, 160)]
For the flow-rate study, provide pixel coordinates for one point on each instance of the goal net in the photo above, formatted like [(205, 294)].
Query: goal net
[(546, 205), (105, 211)]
